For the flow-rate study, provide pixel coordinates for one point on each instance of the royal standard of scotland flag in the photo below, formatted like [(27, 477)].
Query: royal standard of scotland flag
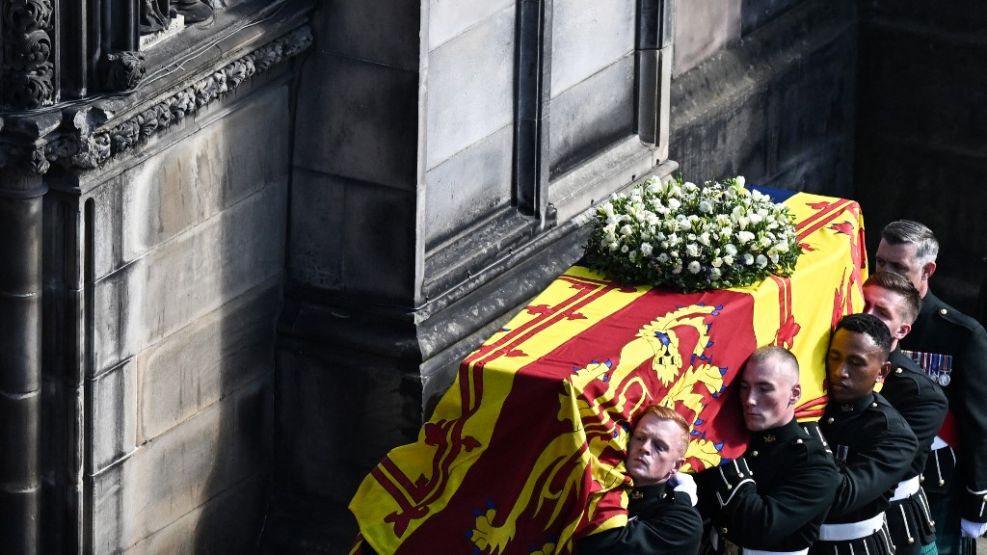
[(525, 450)]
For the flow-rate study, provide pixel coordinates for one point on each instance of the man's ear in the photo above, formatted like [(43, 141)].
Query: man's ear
[(796, 394), (883, 373), (928, 269), (902, 331)]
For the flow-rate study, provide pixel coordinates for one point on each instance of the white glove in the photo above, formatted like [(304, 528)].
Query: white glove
[(684, 484), (972, 529)]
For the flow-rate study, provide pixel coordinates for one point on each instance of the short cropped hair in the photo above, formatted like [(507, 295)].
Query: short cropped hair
[(772, 351), (870, 326), (897, 283), (911, 232), (669, 414)]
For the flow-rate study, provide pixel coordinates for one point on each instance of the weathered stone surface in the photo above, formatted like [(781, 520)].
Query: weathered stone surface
[(384, 32), (114, 414), (468, 186), (591, 115), (208, 359), (315, 244), (171, 476), (366, 129), (703, 27), (190, 276), (755, 13), (193, 180), (588, 36), (339, 417), (450, 18), (227, 523), (469, 88)]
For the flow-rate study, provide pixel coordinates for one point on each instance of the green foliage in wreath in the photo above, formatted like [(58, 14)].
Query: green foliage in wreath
[(690, 238)]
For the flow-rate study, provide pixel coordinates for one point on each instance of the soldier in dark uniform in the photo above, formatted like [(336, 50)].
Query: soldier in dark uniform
[(952, 349), (775, 496), (870, 440), (661, 517), (895, 301)]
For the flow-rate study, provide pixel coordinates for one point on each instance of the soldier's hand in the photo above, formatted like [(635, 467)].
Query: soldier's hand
[(683, 484), (972, 529)]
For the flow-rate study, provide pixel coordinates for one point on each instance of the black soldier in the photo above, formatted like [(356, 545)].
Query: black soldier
[(952, 349), (661, 519), (775, 496), (895, 301), (870, 440)]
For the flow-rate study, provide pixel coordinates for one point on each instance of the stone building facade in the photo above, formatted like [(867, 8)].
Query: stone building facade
[(244, 252)]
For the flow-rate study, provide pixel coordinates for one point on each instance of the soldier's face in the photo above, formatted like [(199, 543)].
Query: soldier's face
[(854, 364), (655, 451), (887, 306), (901, 260), (769, 390)]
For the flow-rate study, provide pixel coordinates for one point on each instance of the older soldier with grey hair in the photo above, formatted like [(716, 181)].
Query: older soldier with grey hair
[(952, 349)]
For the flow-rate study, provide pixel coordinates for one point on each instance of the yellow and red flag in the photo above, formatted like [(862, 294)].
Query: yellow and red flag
[(525, 450)]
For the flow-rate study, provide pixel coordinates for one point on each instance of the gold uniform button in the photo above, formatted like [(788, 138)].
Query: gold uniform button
[(830, 420), (723, 530), (873, 405), (921, 477), (943, 311), (985, 498), (799, 441), (898, 371), (753, 453)]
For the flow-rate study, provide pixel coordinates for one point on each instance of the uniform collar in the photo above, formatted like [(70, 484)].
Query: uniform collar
[(648, 492), (775, 436), (847, 408)]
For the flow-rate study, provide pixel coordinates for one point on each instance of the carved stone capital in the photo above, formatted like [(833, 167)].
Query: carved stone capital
[(27, 46), (123, 70)]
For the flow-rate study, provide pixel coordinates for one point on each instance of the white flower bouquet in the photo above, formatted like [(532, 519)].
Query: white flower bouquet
[(692, 238)]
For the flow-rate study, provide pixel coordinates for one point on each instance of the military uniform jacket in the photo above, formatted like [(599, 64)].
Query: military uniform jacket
[(952, 348), (794, 480), (920, 401), (872, 445), (659, 522)]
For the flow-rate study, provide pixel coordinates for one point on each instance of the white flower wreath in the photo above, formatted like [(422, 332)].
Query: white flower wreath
[(683, 236)]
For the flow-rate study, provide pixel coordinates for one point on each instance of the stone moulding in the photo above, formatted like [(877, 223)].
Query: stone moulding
[(91, 149)]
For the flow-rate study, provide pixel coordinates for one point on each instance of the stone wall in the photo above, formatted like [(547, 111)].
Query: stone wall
[(921, 127), (181, 251)]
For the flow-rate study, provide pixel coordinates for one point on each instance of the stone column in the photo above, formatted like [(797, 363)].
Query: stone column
[(20, 366)]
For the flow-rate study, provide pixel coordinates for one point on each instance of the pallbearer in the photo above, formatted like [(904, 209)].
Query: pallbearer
[(773, 498), (895, 301), (870, 440)]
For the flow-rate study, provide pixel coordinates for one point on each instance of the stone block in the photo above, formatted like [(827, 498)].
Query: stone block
[(470, 185), (228, 523), (958, 16), (338, 417), (703, 27), (450, 18), (315, 245), (755, 13), (588, 36), (189, 276), (469, 93), (384, 32), (379, 242), (173, 475), (113, 426), (361, 120), (592, 114), (193, 180), (208, 359)]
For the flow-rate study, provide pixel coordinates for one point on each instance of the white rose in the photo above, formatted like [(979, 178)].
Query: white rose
[(705, 206), (677, 269), (744, 237), (624, 249), (674, 204), (692, 250), (756, 218), (740, 180), (717, 262), (662, 258), (694, 267), (761, 260), (626, 230), (728, 260), (748, 259), (704, 238), (730, 249), (646, 249), (714, 273), (613, 246)]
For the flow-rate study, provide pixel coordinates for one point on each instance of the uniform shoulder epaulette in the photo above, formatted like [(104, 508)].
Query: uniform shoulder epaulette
[(955, 317), (815, 435)]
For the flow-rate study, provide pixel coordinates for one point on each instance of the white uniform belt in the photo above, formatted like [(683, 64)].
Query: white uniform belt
[(905, 489), (715, 537), (851, 530), (938, 443)]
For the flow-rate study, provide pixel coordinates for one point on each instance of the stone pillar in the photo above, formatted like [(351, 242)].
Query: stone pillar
[(20, 366)]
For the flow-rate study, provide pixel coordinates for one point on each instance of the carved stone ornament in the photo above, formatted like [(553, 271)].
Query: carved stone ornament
[(27, 72), (91, 150), (123, 70)]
